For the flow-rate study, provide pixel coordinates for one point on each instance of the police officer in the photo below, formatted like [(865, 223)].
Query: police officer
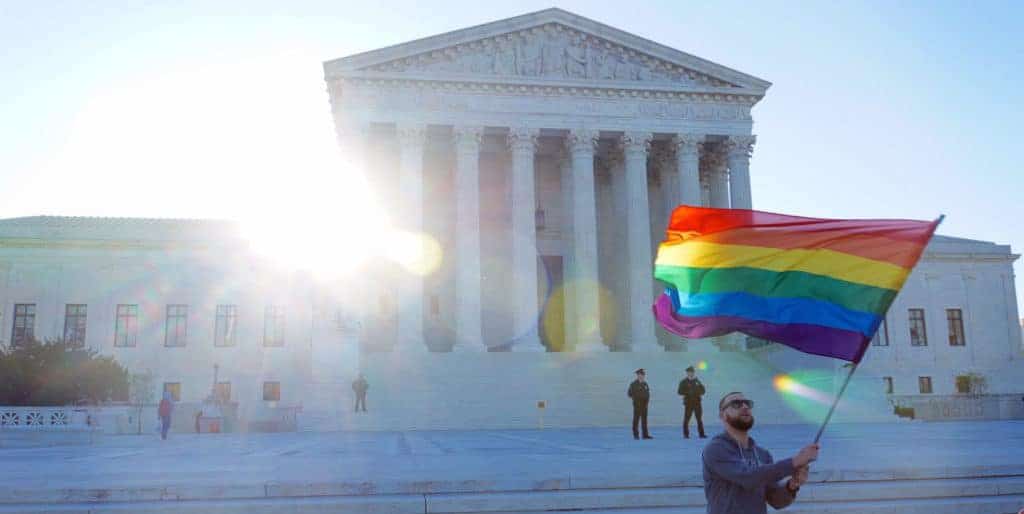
[(691, 390), (640, 393)]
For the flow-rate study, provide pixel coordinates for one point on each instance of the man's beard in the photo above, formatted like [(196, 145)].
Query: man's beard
[(739, 423)]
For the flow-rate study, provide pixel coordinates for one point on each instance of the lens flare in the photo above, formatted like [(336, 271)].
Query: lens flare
[(702, 365), (803, 392)]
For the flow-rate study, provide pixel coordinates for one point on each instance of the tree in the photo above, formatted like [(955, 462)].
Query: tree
[(59, 373), (142, 393)]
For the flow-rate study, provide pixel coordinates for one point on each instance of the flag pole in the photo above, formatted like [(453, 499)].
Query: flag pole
[(852, 369), (836, 402)]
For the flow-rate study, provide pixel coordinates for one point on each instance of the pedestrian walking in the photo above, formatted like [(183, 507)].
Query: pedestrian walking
[(359, 386), (165, 410)]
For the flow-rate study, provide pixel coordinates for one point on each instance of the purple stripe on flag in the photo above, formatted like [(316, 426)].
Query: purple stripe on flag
[(819, 340)]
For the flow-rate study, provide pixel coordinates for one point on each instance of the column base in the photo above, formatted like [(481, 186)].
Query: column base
[(530, 343), (469, 348), (591, 347), (414, 347), (648, 347)]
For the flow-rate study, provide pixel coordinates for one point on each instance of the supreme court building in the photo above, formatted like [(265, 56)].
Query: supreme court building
[(541, 155)]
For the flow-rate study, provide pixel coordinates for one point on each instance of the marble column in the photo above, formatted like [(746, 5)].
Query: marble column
[(585, 282), (411, 143), (568, 266), (665, 163), (354, 141), (718, 185), (468, 325), (739, 149), (688, 167), (635, 146), (525, 318)]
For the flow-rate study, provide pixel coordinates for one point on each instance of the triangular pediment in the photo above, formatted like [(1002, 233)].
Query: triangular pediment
[(547, 46)]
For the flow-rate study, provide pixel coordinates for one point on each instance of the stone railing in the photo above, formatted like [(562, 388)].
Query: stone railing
[(42, 418), (46, 426)]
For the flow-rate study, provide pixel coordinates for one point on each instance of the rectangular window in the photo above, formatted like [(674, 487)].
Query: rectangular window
[(74, 324), (174, 388), (177, 325), (271, 391), (273, 326), (223, 392), (918, 332), (924, 384), (126, 329), (963, 384), (24, 329), (888, 384), (955, 322), (882, 335), (225, 328)]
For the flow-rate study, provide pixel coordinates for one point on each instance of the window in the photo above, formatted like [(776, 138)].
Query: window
[(918, 333), (882, 335), (74, 324), (955, 322), (177, 325), (273, 326), (126, 330), (888, 384), (223, 392), (24, 329), (174, 388), (963, 384), (225, 328), (271, 391), (924, 384)]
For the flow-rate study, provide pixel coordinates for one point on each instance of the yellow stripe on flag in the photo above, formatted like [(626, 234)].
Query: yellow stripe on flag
[(838, 265)]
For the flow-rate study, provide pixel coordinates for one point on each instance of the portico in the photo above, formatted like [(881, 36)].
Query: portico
[(544, 154)]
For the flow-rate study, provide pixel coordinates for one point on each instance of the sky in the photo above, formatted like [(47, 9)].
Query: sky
[(219, 110)]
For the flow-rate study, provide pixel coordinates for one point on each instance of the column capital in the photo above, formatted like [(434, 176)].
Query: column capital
[(523, 139), (636, 143), (687, 145), (411, 134), (467, 138), (350, 126), (582, 140), (713, 156), (740, 147)]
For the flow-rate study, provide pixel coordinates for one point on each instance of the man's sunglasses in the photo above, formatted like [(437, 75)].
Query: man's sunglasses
[(738, 404)]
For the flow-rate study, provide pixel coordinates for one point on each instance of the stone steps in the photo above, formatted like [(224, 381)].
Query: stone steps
[(1004, 494)]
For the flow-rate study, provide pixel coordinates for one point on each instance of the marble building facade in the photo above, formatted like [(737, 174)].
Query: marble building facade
[(543, 154)]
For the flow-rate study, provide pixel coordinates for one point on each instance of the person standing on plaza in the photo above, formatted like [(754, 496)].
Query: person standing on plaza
[(165, 410), (691, 389), (739, 475), (359, 386), (640, 393)]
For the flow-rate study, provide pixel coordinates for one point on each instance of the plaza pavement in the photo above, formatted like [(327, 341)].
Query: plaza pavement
[(585, 470)]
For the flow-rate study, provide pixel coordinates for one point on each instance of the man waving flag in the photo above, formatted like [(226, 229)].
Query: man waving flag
[(821, 286)]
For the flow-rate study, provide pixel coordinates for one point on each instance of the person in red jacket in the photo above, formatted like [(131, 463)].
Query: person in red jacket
[(164, 411)]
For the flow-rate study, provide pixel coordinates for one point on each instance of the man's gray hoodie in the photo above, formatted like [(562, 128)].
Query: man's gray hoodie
[(742, 480)]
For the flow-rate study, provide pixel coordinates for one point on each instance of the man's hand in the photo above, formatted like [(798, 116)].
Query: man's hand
[(806, 455), (798, 479)]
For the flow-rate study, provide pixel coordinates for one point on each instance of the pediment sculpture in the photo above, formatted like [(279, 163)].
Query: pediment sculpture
[(554, 52)]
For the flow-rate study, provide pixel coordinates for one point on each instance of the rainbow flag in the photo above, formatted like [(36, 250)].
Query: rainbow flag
[(820, 286)]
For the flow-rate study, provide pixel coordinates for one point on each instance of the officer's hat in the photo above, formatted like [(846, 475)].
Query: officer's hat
[(690, 368), (640, 371)]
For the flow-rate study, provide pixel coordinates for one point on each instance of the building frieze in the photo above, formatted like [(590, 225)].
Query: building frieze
[(390, 97)]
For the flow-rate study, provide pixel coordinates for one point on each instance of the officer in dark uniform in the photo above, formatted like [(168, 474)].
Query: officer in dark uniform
[(691, 390), (641, 395)]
